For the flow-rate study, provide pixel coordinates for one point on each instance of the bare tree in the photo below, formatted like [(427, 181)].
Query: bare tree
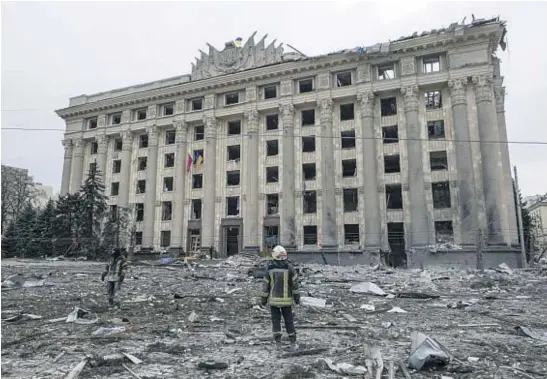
[(18, 190)]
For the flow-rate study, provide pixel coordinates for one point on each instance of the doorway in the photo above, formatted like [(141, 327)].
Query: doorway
[(396, 240), (232, 240)]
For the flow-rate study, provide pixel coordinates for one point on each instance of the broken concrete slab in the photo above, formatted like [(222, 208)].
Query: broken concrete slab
[(367, 287), (426, 352)]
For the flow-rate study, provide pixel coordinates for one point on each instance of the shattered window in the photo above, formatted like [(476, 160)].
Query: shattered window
[(390, 134), (169, 160), (199, 133), (170, 137), (441, 195), (308, 169), (351, 234), (232, 206), (115, 119), (310, 201), (234, 152), (272, 147), (118, 144), (272, 121), (141, 186), (433, 100), (348, 139), (166, 210), (196, 209), (197, 181), (386, 72), (388, 106), (270, 92), (168, 184), (168, 109), (143, 140), (349, 168), (272, 204), (308, 144), (115, 189), (347, 112), (272, 174), (140, 114), (94, 147), (138, 238), (444, 232), (231, 98), (431, 64), (165, 238), (310, 235), (234, 127), (351, 200), (394, 196), (308, 117), (142, 163), (139, 211), (435, 129), (196, 104), (92, 123), (232, 178), (438, 160), (117, 166), (343, 79), (392, 164), (305, 85)]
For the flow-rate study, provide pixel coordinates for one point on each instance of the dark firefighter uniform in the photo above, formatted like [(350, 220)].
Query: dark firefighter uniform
[(114, 274), (280, 290)]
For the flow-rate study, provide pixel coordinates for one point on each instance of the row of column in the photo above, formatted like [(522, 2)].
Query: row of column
[(419, 215)]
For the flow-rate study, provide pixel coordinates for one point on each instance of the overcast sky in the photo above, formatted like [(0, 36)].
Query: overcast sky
[(53, 51)]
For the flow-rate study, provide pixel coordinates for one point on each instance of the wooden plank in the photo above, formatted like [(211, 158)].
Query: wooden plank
[(132, 358), (131, 372), (77, 370), (404, 370)]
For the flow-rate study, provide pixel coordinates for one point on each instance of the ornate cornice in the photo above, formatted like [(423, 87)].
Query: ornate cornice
[(458, 90), (499, 93), (483, 87), (366, 101), (410, 97)]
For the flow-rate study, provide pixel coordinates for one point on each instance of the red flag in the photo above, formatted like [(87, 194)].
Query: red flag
[(189, 162)]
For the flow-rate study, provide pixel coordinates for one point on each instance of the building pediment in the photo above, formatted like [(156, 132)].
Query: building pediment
[(234, 58)]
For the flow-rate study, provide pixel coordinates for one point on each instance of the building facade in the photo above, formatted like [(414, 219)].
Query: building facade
[(360, 150), (537, 206)]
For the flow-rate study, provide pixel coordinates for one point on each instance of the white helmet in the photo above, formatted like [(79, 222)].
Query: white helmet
[(279, 253)]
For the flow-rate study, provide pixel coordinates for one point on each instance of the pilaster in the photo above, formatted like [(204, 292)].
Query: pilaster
[(102, 142), (67, 166), (127, 147), (251, 222), (328, 198), (177, 231), (77, 165), (288, 212), (209, 183), (151, 184)]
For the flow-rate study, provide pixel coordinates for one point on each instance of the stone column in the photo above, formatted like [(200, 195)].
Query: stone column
[(464, 162), (488, 133), (209, 184), (328, 196), (373, 218), (419, 218), (506, 166), (67, 167), (251, 223), (77, 166), (102, 141), (151, 184), (177, 231), (288, 227), (127, 147)]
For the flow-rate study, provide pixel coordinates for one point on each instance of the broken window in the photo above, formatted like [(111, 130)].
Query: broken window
[(309, 201), (92, 123), (115, 119), (113, 212), (117, 166), (343, 79), (232, 178), (310, 235), (170, 137), (308, 144), (351, 234), (140, 114), (234, 152), (388, 106), (386, 72), (143, 141), (138, 238), (141, 186), (351, 200), (441, 195), (92, 167), (196, 104), (270, 92), (433, 100), (115, 189), (444, 232), (309, 171), (272, 122), (272, 174), (199, 133), (231, 98), (431, 64), (234, 127), (438, 160), (347, 112), (348, 139), (168, 184), (272, 204), (94, 147), (118, 144), (232, 206), (349, 167), (166, 210), (390, 134), (197, 181), (139, 211), (196, 209), (305, 85), (392, 164), (169, 160), (308, 117), (272, 147), (165, 238), (142, 162), (394, 196), (168, 109), (435, 129)]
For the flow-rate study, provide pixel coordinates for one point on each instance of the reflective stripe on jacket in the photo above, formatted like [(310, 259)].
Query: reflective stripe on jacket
[(280, 284), (115, 269)]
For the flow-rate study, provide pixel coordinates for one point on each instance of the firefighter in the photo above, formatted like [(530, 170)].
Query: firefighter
[(280, 290), (114, 274)]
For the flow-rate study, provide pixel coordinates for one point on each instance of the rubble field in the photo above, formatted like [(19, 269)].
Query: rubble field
[(205, 321)]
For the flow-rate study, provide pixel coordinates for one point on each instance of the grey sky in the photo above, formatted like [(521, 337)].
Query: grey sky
[(53, 51)]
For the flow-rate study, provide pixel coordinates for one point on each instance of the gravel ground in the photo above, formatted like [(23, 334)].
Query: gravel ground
[(230, 328)]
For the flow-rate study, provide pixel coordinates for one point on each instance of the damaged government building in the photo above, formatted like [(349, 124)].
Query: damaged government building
[(379, 148)]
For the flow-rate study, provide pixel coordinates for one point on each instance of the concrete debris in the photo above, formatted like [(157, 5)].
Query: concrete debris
[(22, 317), (367, 287), (396, 310), (505, 268), (212, 365), (473, 359), (20, 281), (426, 352), (333, 323)]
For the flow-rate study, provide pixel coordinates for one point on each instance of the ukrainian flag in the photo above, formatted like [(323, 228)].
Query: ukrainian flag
[(238, 41), (198, 159)]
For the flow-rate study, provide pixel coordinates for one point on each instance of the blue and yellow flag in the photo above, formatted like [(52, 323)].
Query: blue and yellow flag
[(198, 159), (238, 41)]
